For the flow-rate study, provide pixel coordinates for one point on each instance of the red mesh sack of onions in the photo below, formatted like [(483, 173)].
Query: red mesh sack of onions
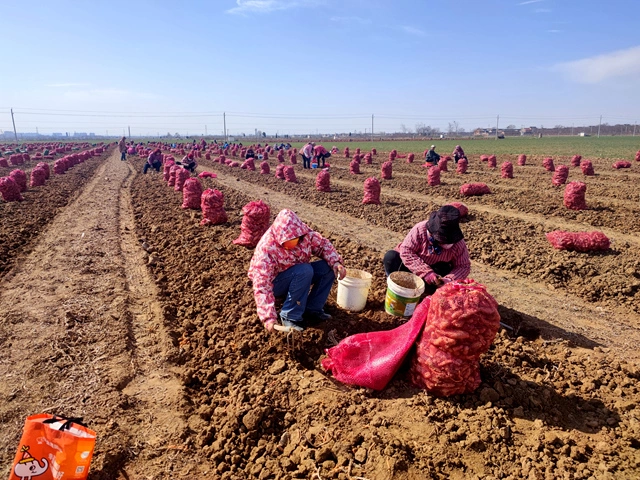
[(222, 159), (461, 323), (207, 175), (375, 152), (15, 160), (59, 167), (560, 175), (433, 176), (265, 156), (621, 164), (371, 191), (443, 164), (471, 189), (293, 159), (280, 156), (357, 151), (10, 190), (264, 168), (410, 158), (386, 170), (255, 221), (38, 177), (462, 166), (579, 241), (166, 169), (547, 163), (173, 171), (20, 178), (26, 157), (44, 166), (207, 156), (280, 171), (574, 196), (354, 167), (191, 194), (638, 156), (346, 152), (587, 168), (323, 181), (575, 160), (368, 159), (290, 174), (249, 164), (522, 160), (4, 163), (234, 164), (492, 161), (506, 170), (182, 175), (392, 155), (212, 204), (462, 208), (484, 158)]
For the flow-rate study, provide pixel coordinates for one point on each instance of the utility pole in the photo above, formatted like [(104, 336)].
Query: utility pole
[(634, 128), (224, 122), (572, 129), (497, 123), (599, 126), (15, 134), (372, 128), (129, 132)]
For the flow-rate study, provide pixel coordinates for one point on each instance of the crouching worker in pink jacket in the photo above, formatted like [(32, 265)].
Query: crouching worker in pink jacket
[(281, 265), (434, 250)]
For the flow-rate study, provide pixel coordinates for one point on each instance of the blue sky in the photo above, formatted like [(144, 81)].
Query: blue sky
[(297, 66)]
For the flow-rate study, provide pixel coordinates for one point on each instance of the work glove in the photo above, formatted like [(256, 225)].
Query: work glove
[(446, 280), (340, 271)]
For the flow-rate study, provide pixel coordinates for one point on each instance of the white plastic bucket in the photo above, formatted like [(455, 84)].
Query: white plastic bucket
[(353, 290), (403, 293)]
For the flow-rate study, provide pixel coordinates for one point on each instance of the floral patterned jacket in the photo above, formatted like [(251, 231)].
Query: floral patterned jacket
[(271, 258)]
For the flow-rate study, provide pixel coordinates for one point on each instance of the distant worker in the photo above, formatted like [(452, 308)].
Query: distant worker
[(189, 162), (281, 266), (434, 250), (458, 153), (320, 155), (250, 153), (122, 146), (154, 160), (432, 157), (307, 153)]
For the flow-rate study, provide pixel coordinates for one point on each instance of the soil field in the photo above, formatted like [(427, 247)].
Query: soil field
[(125, 311)]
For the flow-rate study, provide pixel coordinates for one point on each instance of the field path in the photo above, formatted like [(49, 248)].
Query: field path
[(557, 314), (82, 333)]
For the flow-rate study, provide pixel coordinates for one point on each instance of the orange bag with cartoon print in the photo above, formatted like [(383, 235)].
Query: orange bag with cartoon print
[(53, 448)]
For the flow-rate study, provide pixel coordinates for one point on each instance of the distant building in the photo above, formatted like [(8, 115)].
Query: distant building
[(57, 135)]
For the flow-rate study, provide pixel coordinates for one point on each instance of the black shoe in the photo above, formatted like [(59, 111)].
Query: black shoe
[(311, 318)]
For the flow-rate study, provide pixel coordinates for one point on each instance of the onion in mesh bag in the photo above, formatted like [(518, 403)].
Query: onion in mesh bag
[(191, 193), (574, 196), (323, 181), (386, 170), (579, 241), (462, 322), (255, 221), (212, 204), (371, 191)]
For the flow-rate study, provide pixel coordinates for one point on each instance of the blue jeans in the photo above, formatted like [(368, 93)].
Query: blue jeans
[(295, 283), (123, 156)]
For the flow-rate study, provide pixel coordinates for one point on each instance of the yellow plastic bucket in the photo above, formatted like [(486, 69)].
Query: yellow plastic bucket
[(403, 293)]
